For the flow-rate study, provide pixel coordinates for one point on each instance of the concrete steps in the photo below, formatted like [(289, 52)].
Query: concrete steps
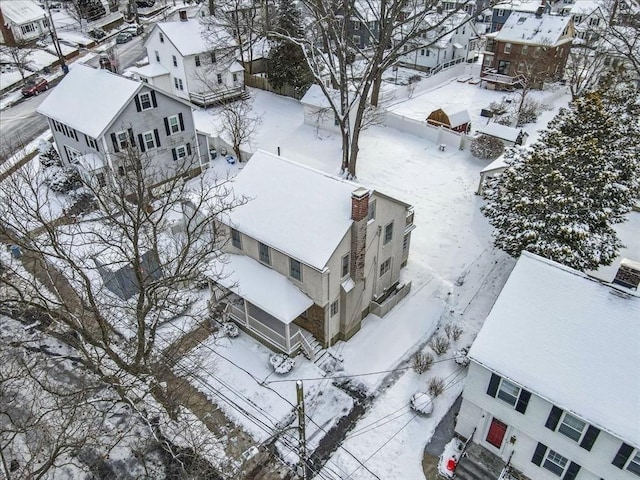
[(478, 463)]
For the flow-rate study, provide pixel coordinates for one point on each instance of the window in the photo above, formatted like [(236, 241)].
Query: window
[(520, 67), (295, 269), (507, 48), (235, 77), (235, 239), (508, 392), (572, 427), (91, 142), (634, 464), (219, 78), (180, 152), (422, 52), (405, 242), (197, 60), (356, 40), (554, 462), (213, 57), (100, 178), (524, 50), (28, 28), (356, 25), (72, 154), (388, 233), (501, 13), (121, 140), (175, 60), (334, 308), (385, 267), (345, 264), (157, 56), (173, 125), (145, 101), (594, 22), (372, 211), (265, 254), (161, 38), (148, 140), (178, 83)]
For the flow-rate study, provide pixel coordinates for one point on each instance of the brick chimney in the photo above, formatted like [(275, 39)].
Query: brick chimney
[(183, 15), (628, 274), (359, 215)]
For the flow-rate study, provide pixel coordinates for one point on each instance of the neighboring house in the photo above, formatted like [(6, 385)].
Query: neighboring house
[(193, 59), (530, 49), (95, 116), (509, 135), (22, 21), (453, 119), (553, 388), (502, 11), (589, 20), (308, 262), (455, 39), (364, 28)]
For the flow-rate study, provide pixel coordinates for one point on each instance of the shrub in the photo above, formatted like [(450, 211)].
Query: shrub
[(48, 154), (487, 147), (83, 202), (453, 331), (62, 180), (422, 362), (498, 108), (460, 357), (281, 363), (435, 386), (439, 345), (529, 112), (506, 120), (422, 403), (230, 329)]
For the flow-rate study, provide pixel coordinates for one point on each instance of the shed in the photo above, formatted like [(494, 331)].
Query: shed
[(509, 135), (494, 168), (456, 120)]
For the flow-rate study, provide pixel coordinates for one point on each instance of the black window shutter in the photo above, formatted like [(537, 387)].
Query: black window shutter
[(188, 149), (553, 418), (175, 155), (166, 126), (138, 108), (97, 142), (75, 135), (590, 437), (157, 135), (115, 143), (153, 99), (523, 401), (493, 385), (623, 455), (538, 455), (142, 145), (131, 137), (572, 472), (181, 122), (86, 140)]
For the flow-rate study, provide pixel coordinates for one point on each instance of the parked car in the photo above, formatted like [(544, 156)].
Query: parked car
[(123, 37), (145, 3), (97, 33), (134, 29), (35, 86)]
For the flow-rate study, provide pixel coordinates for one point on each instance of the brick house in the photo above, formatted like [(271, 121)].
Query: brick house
[(330, 250), (553, 389), (531, 48)]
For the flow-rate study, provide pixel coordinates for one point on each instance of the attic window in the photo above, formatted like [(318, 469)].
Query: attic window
[(161, 38)]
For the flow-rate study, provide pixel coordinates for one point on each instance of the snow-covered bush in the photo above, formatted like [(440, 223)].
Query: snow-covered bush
[(421, 362), (529, 112), (435, 386), (48, 154), (281, 363), (62, 180), (487, 147), (453, 331), (507, 120), (230, 329), (440, 345), (81, 202), (460, 357), (422, 403)]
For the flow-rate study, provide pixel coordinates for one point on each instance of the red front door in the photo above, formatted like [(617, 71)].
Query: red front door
[(496, 433)]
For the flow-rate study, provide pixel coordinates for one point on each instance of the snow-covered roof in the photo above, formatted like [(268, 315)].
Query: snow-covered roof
[(498, 164), (528, 28), (22, 11), (315, 97), (192, 37), (299, 211), (235, 67), (262, 286), (569, 339), (585, 7), (456, 117), (89, 110), (91, 161), (519, 5), (500, 131), (150, 71)]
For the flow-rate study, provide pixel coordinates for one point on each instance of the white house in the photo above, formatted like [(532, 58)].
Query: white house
[(329, 250), (22, 21), (553, 388), (194, 59), (95, 127), (455, 39)]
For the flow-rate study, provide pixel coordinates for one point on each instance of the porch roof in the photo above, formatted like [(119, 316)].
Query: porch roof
[(262, 286)]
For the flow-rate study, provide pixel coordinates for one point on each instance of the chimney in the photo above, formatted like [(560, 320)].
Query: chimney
[(539, 11), (628, 274), (359, 215), (183, 15)]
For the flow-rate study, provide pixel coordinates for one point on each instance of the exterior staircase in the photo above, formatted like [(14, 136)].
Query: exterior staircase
[(314, 351), (478, 463)]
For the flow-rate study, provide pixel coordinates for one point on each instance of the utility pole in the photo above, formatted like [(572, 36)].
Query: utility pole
[(54, 37), (302, 449)]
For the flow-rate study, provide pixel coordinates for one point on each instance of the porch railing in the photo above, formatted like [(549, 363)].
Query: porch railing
[(213, 98), (499, 78), (270, 336)]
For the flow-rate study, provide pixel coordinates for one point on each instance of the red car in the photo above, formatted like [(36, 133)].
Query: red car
[(35, 86)]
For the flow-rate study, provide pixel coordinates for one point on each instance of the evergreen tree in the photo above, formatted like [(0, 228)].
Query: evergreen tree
[(561, 197), (287, 65)]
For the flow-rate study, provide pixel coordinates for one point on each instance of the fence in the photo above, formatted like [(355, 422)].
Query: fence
[(263, 84), (437, 135)]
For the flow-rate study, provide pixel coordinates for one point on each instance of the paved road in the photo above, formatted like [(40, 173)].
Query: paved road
[(20, 123)]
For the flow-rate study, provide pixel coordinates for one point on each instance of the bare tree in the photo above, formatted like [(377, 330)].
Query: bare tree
[(239, 123), (19, 55), (622, 34), (585, 65)]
